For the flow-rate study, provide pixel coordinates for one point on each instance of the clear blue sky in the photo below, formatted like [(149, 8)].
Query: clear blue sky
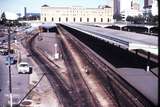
[(17, 6)]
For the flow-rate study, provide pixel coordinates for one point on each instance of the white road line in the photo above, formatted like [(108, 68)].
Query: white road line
[(14, 95)]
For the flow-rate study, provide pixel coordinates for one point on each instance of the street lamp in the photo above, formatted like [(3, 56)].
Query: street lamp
[(9, 67)]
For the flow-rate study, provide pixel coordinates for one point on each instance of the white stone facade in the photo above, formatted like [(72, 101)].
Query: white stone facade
[(76, 14)]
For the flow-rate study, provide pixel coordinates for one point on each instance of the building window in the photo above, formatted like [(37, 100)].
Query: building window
[(59, 19), (108, 19), (45, 19), (52, 19), (94, 19), (101, 19), (74, 19), (80, 19), (66, 19), (87, 19)]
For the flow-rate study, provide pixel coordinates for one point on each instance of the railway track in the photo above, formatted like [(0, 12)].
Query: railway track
[(79, 94), (62, 93), (123, 93), (84, 96)]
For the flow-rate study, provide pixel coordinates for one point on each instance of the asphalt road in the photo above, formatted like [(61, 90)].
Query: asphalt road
[(20, 83), (3, 82)]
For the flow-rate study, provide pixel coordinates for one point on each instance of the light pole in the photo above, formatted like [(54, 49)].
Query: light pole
[(9, 68)]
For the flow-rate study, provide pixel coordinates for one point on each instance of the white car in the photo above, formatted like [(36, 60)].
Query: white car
[(23, 67)]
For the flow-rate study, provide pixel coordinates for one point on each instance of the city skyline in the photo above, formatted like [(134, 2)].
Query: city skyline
[(34, 5)]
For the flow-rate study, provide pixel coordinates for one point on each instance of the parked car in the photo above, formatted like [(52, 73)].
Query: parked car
[(3, 51), (12, 51), (10, 60), (23, 67)]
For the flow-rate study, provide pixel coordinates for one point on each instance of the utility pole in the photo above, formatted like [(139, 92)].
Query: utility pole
[(9, 68)]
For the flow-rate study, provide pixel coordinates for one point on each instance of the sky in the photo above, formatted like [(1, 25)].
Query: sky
[(17, 6)]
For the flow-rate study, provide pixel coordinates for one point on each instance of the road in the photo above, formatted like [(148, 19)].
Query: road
[(20, 83), (3, 82)]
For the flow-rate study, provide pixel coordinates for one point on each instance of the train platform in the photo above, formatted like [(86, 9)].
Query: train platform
[(127, 40), (145, 82)]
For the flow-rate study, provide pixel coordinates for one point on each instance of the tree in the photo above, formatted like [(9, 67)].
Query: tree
[(118, 17), (130, 19), (3, 18), (155, 19)]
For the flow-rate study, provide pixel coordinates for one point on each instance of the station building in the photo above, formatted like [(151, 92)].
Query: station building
[(102, 14)]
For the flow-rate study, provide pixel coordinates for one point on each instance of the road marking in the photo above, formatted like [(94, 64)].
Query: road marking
[(14, 95)]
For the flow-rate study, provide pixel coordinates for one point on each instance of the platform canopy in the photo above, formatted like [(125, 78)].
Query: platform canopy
[(48, 25), (128, 40)]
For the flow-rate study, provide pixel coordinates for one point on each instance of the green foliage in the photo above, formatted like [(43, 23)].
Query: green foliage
[(3, 18), (130, 19), (152, 20), (6, 22), (118, 17), (139, 19)]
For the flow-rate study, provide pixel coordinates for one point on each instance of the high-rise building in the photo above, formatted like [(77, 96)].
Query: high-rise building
[(148, 3), (25, 12), (150, 7), (116, 6)]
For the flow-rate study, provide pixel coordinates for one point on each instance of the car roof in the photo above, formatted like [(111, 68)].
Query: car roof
[(23, 63)]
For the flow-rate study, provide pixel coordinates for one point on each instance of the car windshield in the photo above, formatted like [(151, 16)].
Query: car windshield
[(24, 65)]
